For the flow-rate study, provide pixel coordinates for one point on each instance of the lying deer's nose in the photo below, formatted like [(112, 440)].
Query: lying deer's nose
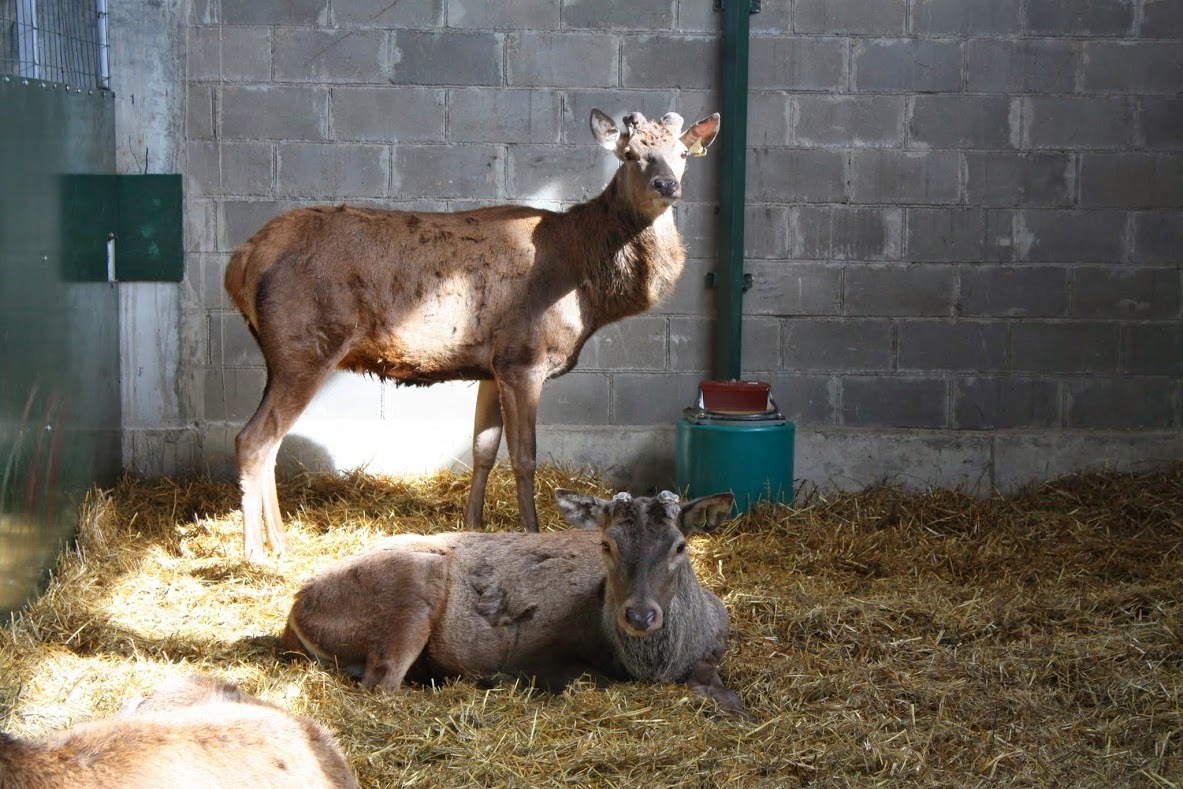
[(640, 618), (666, 187)]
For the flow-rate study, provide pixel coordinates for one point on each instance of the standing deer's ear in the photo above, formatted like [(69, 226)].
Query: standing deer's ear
[(604, 130), (700, 135)]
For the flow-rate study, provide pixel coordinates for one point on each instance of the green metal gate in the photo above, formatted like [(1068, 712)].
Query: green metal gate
[(59, 334)]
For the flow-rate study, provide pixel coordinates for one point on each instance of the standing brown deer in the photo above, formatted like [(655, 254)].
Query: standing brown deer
[(616, 598), (505, 295)]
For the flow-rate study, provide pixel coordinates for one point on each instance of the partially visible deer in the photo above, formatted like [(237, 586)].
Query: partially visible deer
[(505, 295), (200, 733), (616, 599)]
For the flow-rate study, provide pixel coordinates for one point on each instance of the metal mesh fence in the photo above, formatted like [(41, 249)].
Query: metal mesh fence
[(55, 40)]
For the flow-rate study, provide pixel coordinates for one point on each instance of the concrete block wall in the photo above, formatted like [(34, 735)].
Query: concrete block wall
[(964, 219)]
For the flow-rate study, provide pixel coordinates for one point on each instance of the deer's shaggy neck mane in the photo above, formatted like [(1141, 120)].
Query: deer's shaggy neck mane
[(629, 261)]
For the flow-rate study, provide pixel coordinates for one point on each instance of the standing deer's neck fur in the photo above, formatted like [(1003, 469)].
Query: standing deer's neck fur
[(631, 261)]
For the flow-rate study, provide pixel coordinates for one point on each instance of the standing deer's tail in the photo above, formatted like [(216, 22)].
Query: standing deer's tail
[(237, 286)]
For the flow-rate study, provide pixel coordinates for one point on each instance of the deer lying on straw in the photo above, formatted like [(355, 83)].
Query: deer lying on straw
[(616, 599), (201, 732), (506, 295)]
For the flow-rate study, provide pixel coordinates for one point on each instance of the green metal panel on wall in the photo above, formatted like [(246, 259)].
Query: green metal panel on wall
[(140, 213), (59, 333)]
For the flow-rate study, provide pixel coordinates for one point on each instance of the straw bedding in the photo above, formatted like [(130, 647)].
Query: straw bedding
[(878, 637)]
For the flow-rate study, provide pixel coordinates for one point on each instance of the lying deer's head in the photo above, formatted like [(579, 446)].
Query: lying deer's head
[(644, 544), (654, 154)]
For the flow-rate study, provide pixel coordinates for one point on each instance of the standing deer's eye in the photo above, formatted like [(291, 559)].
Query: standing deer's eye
[(681, 548), (629, 156), (685, 154), (606, 547)]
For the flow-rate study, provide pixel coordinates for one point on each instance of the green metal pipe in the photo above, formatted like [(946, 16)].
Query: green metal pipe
[(729, 273)]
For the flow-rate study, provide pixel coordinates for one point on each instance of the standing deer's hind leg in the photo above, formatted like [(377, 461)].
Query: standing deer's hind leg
[(519, 400), (256, 448), (486, 440)]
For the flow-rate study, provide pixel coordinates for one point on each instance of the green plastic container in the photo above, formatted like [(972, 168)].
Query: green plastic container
[(752, 459)]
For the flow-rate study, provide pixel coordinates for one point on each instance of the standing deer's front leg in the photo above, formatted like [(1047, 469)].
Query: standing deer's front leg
[(520, 391), (486, 440)]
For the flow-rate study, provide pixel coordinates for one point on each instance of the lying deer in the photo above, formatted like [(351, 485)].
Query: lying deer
[(202, 732), (616, 599), (505, 295)]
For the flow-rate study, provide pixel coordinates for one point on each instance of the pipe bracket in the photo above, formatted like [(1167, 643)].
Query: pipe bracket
[(713, 280), (753, 8)]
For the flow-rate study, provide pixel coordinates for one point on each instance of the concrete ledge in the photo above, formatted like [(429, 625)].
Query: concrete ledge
[(641, 458)]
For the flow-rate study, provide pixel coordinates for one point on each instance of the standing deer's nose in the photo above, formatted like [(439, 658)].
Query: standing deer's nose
[(640, 619), (666, 187)]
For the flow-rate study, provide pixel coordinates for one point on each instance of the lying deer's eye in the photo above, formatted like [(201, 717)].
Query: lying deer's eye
[(629, 156), (607, 548), (685, 154), (681, 548)]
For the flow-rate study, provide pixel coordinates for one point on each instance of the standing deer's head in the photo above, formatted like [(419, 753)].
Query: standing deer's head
[(653, 153), (644, 544)]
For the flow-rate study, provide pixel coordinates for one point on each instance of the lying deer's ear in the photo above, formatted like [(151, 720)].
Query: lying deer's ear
[(583, 512), (699, 136), (604, 130), (706, 513)]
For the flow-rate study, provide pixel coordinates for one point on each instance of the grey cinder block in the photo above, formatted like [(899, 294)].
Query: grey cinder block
[(837, 344), (497, 115), (847, 233), (274, 112), (388, 114), (887, 176), (780, 63), (1005, 402), (1158, 237), (959, 235), (352, 56), (332, 171), (1131, 293), (1067, 347), (240, 54), (862, 17), (889, 401), (275, 12), (1131, 180), (963, 122), (1052, 235), (793, 288), (1006, 65), (454, 57), (619, 15), (1140, 67), (652, 398), (577, 398), (900, 289), (1014, 291), (999, 178), (1076, 122), (907, 65), (562, 60), (959, 18), (1153, 349), (1079, 17), (969, 346), (783, 175), (1121, 403), (848, 121), (445, 171)]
